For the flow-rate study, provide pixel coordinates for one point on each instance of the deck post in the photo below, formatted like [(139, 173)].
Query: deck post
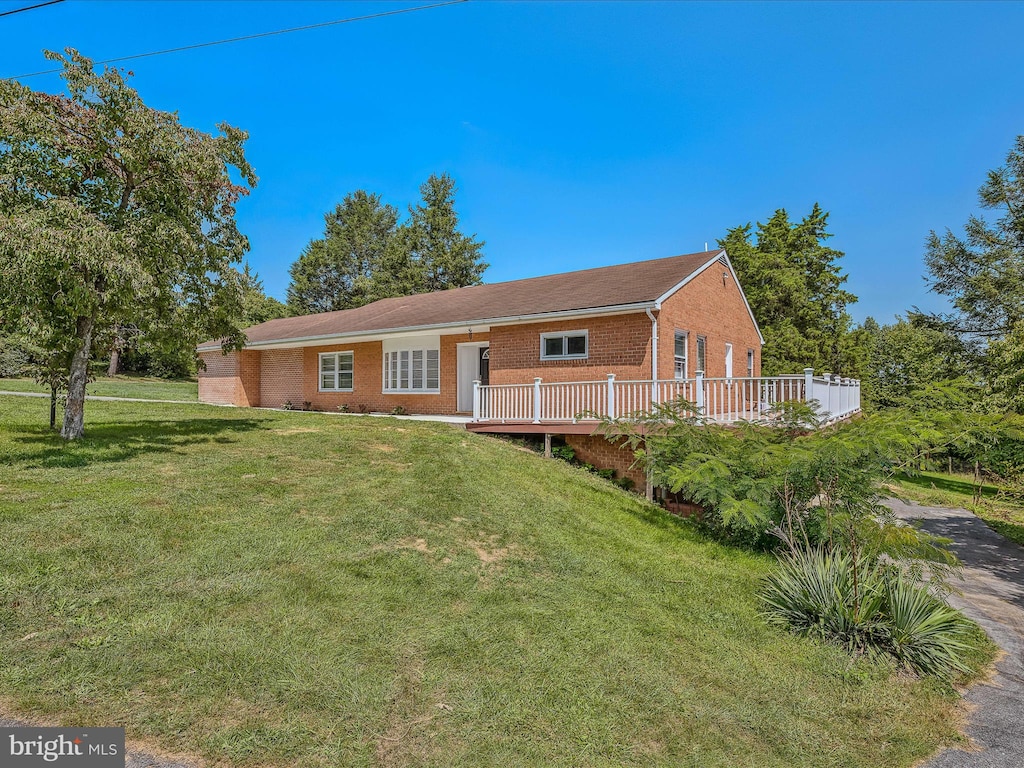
[(476, 400), (611, 395), (547, 445), (698, 391), (808, 384), (536, 400)]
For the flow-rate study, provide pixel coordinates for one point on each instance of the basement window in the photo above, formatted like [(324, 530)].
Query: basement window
[(570, 345), (336, 371)]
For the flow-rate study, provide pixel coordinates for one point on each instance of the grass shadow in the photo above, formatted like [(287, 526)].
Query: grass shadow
[(119, 441), (948, 484)]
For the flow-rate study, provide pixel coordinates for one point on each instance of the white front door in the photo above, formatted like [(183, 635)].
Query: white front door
[(468, 364)]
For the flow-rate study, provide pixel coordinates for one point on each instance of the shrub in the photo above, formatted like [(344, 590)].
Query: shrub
[(867, 607), (563, 452), (398, 410), (344, 408), (13, 361), (625, 483)]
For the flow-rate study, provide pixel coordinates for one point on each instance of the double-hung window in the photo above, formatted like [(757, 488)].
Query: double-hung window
[(412, 370), (702, 345), (568, 345), (682, 355), (336, 371)]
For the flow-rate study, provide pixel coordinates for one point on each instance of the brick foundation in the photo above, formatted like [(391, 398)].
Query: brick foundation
[(596, 450)]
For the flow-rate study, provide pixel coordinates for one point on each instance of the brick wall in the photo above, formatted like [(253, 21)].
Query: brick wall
[(619, 344), (367, 380), (710, 307), (282, 378), (231, 379), (596, 450)]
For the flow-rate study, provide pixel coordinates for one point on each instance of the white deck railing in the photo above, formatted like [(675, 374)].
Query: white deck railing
[(719, 400)]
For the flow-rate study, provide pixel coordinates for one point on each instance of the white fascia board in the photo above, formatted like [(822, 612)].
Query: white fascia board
[(718, 254), (483, 325)]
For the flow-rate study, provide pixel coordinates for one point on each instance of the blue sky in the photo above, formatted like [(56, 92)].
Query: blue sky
[(582, 134)]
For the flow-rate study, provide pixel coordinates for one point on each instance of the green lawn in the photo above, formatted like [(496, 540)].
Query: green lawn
[(1001, 514), (265, 588), (143, 387)]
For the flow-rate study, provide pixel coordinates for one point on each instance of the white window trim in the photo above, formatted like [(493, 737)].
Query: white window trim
[(386, 390), (702, 341), (337, 370), (561, 335), (750, 363), (686, 354)]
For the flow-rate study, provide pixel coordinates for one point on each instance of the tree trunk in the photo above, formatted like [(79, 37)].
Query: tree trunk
[(53, 407), (74, 406), (115, 359)]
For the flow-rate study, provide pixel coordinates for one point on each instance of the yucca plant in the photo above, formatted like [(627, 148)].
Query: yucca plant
[(921, 631), (821, 593), (867, 607)]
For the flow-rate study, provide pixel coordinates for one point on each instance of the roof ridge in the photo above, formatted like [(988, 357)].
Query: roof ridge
[(595, 288)]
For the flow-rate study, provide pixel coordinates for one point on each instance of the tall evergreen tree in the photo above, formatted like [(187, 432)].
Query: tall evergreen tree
[(982, 273), (338, 270), (794, 285), (366, 255), (442, 257)]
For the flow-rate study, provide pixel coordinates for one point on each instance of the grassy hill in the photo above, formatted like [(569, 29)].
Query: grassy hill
[(266, 588)]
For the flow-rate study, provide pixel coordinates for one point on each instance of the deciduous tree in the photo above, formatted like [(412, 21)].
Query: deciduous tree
[(114, 213)]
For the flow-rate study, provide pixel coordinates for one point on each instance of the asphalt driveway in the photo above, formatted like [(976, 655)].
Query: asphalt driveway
[(992, 595)]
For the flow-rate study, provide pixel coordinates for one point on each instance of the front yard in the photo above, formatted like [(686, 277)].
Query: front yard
[(265, 588)]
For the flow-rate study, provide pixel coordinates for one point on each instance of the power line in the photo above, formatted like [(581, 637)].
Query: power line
[(30, 7), (249, 37)]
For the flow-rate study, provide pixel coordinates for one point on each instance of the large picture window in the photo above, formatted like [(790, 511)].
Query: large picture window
[(412, 370), (336, 372), (570, 345)]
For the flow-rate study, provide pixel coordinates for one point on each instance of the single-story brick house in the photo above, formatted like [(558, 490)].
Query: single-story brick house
[(546, 355), (646, 321)]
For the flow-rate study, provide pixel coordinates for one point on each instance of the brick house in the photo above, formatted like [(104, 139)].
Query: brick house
[(660, 319), (536, 355)]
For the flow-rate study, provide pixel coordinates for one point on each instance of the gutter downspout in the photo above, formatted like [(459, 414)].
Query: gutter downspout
[(654, 386), (654, 350)]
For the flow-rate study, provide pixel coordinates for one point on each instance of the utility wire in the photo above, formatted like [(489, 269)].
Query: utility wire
[(30, 8), (248, 37)]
